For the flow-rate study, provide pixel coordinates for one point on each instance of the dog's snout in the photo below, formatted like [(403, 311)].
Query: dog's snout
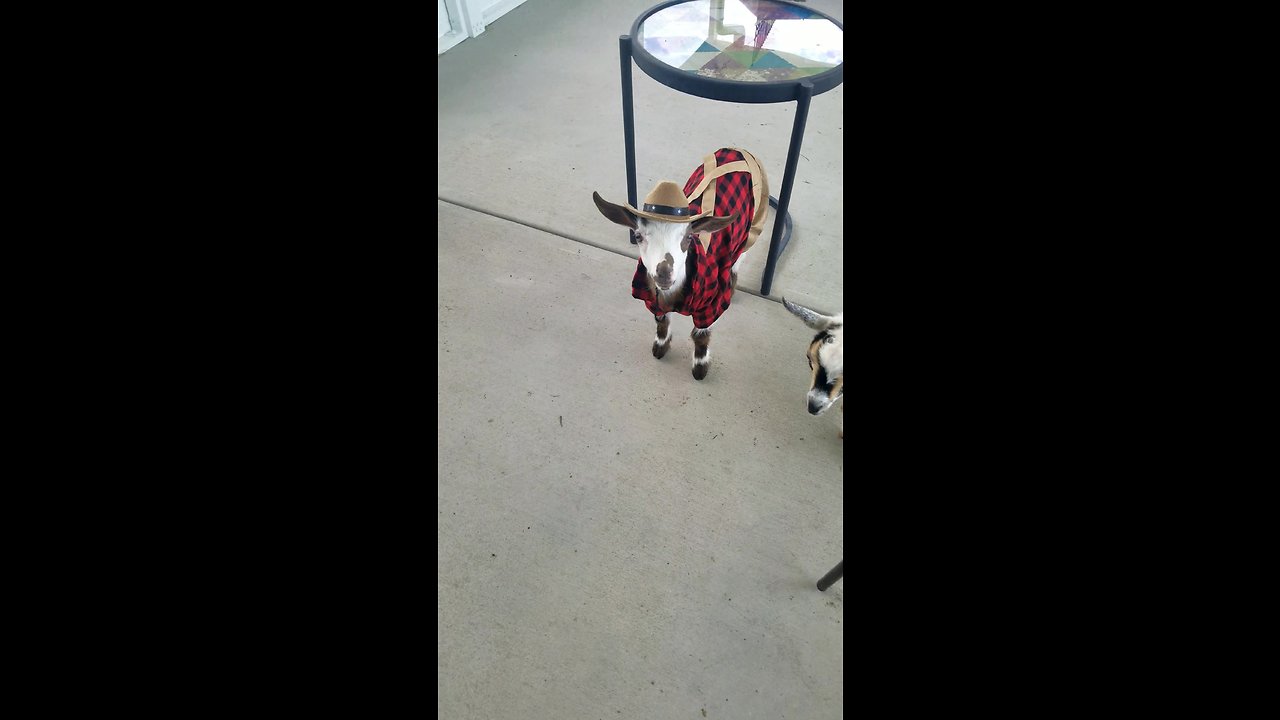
[(662, 273), (817, 403)]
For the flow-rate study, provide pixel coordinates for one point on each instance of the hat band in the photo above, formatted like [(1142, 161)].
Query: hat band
[(668, 210)]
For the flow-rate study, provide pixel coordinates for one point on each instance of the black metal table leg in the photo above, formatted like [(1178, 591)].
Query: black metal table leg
[(786, 230), (836, 573), (628, 122), (804, 92)]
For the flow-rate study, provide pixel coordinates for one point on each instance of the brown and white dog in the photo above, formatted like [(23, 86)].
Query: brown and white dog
[(691, 242), (826, 358)]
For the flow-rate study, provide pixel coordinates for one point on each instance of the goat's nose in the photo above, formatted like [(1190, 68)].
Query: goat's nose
[(815, 407)]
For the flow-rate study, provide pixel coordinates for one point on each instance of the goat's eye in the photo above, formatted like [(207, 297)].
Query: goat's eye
[(830, 340)]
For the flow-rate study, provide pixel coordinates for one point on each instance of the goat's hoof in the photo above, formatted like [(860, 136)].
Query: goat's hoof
[(699, 371), (841, 436), (660, 350)]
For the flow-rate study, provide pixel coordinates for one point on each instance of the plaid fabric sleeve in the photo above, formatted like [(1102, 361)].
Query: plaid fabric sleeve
[(640, 288)]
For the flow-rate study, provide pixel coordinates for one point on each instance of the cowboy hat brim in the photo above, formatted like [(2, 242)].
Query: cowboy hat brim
[(666, 218)]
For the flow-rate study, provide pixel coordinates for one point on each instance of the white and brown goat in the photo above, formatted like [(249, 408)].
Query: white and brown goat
[(691, 242), (826, 358)]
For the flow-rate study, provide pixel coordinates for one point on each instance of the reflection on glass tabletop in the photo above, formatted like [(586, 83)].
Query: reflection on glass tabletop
[(743, 40)]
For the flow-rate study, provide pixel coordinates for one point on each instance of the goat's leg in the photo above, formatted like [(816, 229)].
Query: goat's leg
[(662, 343), (701, 352)]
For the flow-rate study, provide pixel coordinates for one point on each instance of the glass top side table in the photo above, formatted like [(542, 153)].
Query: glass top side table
[(745, 51)]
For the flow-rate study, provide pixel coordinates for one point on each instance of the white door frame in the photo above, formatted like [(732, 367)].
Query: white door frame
[(468, 18), (459, 23)]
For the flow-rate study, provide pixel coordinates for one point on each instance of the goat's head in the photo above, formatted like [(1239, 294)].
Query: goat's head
[(825, 355), (663, 230)]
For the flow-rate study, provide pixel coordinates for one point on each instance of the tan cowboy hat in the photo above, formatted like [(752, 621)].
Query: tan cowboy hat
[(666, 202)]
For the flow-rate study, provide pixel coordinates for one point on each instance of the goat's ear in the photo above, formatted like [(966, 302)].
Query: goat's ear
[(615, 213), (712, 224), (815, 320)]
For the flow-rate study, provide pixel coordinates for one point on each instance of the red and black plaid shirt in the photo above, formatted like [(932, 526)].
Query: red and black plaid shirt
[(710, 291)]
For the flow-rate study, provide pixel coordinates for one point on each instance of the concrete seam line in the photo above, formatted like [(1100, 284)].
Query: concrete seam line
[(557, 233), (517, 221)]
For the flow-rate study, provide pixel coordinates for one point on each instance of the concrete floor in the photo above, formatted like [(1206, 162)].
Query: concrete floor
[(615, 538)]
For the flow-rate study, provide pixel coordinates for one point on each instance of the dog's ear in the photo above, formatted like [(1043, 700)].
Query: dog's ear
[(712, 224), (614, 213), (813, 319)]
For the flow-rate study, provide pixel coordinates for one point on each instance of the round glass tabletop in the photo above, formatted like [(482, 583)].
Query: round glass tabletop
[(740, 42)]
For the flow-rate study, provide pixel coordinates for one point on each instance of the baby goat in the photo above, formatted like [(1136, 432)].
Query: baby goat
[(691, 242), (826, 358)]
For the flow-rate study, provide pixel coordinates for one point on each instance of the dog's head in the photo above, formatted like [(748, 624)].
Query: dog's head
[(663, 231), (825, 356)]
